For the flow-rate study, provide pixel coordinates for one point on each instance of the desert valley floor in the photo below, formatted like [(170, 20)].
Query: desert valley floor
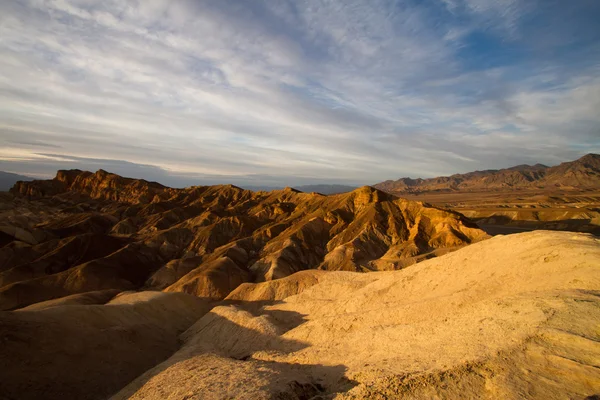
[(525, 210)]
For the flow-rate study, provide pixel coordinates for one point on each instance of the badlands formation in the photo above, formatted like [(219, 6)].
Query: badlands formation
[(85, 231), (120, 288)]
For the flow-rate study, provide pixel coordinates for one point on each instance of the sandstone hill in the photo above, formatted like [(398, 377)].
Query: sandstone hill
[(512, 317), (83, 232), (583, 173)]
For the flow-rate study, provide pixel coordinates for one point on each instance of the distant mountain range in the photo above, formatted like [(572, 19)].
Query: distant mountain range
[(8, 179), (583, 173)]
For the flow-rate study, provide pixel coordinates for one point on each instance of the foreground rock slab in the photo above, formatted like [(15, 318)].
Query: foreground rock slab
[(512, 317)]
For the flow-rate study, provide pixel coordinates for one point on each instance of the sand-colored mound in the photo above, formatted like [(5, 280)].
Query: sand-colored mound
[(173, 271), (512, 317), (90, 351), (213, 280), (278, 289), (80, 299), (213, 362)]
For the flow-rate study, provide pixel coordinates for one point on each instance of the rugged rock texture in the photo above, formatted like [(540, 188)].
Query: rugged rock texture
[(579, 174), (513, 317), (84, 231), (99, 185)]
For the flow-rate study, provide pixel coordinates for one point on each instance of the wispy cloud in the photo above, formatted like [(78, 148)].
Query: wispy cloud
[(355, 91)]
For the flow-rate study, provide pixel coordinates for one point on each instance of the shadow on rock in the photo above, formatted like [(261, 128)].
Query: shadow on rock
[(238, 351)]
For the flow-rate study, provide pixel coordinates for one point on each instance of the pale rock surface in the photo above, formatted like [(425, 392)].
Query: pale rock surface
[(511, 317), (278, 289)]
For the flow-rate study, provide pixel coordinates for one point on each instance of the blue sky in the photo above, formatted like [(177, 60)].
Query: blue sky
[(296, 92)]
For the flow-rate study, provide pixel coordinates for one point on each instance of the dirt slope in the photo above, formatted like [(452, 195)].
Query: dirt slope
[(61, 351), (512, 317)]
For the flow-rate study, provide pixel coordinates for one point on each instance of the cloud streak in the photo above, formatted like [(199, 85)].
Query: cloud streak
[(351, 92)]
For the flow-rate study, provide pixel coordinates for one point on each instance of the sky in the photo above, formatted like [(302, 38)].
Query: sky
[(295, 92)]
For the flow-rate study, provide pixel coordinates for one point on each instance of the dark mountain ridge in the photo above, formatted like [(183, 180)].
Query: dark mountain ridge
[(8, 179)]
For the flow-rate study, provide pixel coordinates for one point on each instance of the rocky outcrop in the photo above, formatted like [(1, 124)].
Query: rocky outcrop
[(100, 185)]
